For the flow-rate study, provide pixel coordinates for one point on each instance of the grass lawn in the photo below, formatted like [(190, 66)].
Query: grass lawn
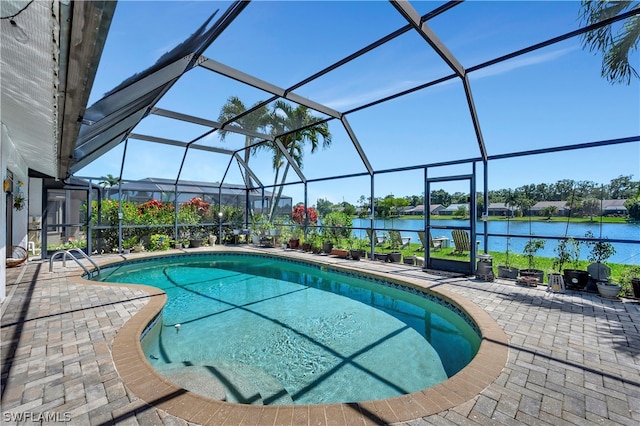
[(515, 260)]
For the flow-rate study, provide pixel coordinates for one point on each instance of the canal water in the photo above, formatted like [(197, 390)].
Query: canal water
[(625, 252)]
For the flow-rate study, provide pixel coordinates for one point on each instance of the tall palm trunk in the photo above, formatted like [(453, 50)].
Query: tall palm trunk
[(275, 199)]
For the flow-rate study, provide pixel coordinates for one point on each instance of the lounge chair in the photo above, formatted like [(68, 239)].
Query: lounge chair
[(434, 245), (462, 241), (396, 240), (16, 255), (378, 241)]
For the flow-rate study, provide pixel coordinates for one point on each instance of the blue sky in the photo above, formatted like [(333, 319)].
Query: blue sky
[(550, 97)]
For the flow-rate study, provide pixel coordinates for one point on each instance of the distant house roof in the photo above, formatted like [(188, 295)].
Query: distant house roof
[(436, 207), (454, 207), (541, 205), (613, 205), (500, 206), (419, 209)]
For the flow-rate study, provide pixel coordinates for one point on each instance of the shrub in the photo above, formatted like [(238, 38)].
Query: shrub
[(336, 225), (633, 206), (159, 242)]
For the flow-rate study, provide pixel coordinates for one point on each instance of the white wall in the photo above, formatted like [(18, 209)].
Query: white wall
[(3, 215), (11, 159)]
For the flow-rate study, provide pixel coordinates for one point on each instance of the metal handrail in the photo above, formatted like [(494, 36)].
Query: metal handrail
[(66, 253)]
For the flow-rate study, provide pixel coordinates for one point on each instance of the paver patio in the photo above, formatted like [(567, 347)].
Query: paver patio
[(573, 358)]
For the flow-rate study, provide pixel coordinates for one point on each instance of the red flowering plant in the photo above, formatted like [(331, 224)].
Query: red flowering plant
[(202, 207), (192, 212), (152, 207), (297, 216)]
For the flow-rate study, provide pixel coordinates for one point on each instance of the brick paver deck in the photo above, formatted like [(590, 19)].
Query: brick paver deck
[(572, 358)]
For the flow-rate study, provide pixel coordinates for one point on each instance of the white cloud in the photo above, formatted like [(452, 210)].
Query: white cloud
[(521, 62)]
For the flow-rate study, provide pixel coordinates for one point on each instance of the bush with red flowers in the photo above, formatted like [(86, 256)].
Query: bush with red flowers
[(298, 214), (201, 206)]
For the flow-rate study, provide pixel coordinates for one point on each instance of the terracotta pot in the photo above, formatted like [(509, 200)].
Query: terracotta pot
[(339, 252), (533, 273)]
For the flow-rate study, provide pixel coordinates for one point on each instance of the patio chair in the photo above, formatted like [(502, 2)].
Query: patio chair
[(397, 240), (378, 241), (462, 241), (435, 245)]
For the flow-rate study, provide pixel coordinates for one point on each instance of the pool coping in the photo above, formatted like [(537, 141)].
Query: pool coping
[(152, 388)]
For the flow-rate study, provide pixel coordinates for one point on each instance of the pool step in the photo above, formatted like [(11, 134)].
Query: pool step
[(228, 381)]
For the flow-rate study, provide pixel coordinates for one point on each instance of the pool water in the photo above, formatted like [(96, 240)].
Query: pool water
[(255, 329)]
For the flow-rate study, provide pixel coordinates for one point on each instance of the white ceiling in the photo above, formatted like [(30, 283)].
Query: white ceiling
[(28, 108), (47, 76)]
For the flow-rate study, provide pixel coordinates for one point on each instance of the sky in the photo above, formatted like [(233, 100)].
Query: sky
[(550, 97)]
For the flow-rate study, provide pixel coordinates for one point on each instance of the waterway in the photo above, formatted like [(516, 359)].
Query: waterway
[(627, 253)]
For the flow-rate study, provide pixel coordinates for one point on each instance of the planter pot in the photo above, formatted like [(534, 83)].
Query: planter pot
[(339, 252), (608, 291), (177, 245), (306, 247), (411, 260), (356, 254), (126, 251), (635, 283), (533, 273), (195, 243), (380, 256), (508, 272), (394, 257), (327, 247), (575, 278), (294, 243)]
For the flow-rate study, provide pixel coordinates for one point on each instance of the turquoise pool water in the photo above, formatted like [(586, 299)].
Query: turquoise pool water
[(273, 331)]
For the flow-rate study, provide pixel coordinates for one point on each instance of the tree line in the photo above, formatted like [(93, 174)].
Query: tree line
[(583, 197)]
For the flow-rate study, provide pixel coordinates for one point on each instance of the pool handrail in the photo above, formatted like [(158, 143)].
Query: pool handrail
[(66, 253)]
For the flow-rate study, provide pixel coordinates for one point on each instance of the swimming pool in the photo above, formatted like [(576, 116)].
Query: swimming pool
[(275, 331)]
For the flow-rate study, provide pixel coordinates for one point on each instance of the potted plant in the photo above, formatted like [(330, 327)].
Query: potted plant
[(355, 250), (18, 201), (313, 240), (327, 246), (599, 252), (196, 233), (128, 244), (296, 235), (506, 270), (556, 279), (575, 278), (530, 250), (630, 281)]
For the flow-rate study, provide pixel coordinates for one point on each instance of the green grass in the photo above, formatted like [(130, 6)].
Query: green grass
[(516, 260)]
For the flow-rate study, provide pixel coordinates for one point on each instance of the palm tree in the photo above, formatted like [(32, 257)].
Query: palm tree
[(108, 181), (256, 121), (285, 119), (615, 47)]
